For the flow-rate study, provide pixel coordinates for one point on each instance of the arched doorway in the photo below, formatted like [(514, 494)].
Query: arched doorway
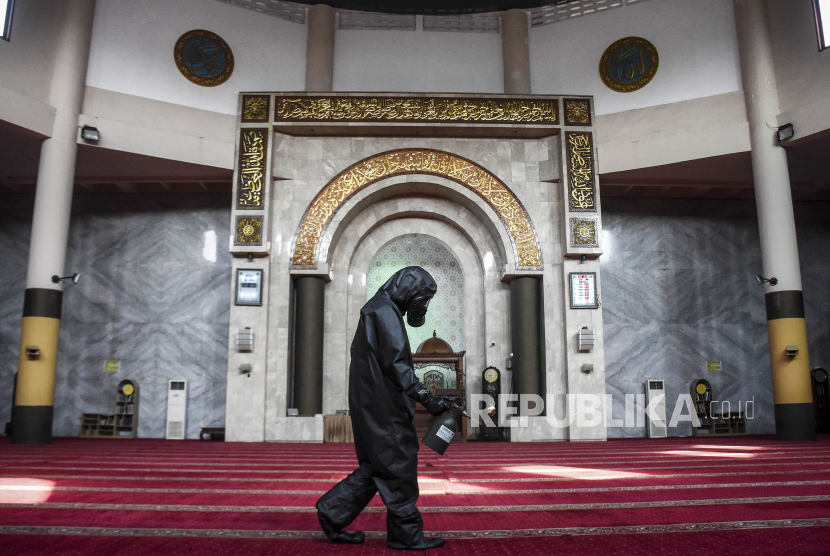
[(446, 315)]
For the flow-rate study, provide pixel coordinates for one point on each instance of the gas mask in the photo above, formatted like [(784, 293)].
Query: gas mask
[(416, 311)]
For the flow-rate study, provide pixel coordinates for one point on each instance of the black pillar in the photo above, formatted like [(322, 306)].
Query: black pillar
[(525, 328), (309, 308)]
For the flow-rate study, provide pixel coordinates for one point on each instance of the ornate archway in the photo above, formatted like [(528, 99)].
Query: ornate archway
[(418, 161)]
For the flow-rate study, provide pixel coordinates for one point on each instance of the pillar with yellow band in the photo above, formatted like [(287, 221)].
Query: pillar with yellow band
[(790, 362), (35, 390), (794, 417)]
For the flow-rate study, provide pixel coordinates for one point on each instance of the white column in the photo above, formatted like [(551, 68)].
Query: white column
[(56, 172), (769, 161), (515, 52), (791, 383), (319, 65), (35, 387)]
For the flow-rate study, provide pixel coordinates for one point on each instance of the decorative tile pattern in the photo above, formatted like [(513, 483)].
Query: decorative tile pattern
[(584, 232), (255, 108), (446, 310), (248, 230), (419, 109), (253, 157), (580, 155), (414, 161), (577, 111)]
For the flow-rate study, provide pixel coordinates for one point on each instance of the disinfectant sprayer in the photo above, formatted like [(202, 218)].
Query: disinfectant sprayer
[(443, 429)]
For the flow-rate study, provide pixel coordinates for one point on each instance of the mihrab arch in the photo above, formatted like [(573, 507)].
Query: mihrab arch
[(418, 161)]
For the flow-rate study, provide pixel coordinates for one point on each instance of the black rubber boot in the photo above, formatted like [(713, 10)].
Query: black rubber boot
[(346, 537), (424, 543), (343, 537)]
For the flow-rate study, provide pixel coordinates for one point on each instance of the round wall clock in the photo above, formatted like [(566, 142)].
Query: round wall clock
[(203, 58), (628, 64)]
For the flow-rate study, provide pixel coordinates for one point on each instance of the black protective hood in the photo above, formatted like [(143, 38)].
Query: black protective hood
[(406, 285), (383, 390)]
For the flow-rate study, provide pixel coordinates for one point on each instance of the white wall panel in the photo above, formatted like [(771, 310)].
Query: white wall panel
[(802, 72), (27, 60), (133, 40), (419, 62), (695, 40)]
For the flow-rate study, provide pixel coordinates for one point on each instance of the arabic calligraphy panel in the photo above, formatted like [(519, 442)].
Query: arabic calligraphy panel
[(580, 163), (584, 232), (577, 111), (425, 161), (628, 64), (255, 108), (203, 58), (422, 110), (248, 230), (253, 153)]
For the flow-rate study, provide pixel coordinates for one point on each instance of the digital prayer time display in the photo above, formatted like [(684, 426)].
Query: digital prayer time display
[(583, 287), (249, 287)]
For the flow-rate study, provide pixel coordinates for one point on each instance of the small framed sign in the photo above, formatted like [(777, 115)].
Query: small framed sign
[(249, 286), (714, 366), (583, 286)]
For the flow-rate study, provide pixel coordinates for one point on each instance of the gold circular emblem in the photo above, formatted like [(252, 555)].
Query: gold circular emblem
[(701, 388), (628, 64), (248, 230), (203, 58), (128, 389), (584, 231)]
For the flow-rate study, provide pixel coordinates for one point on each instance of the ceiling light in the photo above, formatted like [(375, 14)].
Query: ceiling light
[(89, 133)]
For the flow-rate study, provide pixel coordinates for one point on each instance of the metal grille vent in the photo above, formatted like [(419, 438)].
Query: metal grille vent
[(353, 21), (175, 429), (656, 431), (276, 8), (463, 23), (577, 8)]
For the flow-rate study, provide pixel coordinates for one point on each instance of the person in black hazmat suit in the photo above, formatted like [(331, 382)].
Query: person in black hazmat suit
[(383, 390)]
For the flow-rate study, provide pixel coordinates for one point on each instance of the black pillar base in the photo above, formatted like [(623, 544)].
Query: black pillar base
[(795, 421), (32, 424), (525, 328), (309, 308)]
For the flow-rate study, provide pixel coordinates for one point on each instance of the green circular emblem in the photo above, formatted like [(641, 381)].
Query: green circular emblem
[(203, 58), (628, 64)]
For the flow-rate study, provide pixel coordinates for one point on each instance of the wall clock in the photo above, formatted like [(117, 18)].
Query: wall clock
[(491, 386)]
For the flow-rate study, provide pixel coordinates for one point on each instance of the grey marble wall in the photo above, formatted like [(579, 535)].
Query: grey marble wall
[(678, 289), (153, 294)]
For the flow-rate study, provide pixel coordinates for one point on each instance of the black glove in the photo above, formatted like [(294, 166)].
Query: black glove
[(436, 405)]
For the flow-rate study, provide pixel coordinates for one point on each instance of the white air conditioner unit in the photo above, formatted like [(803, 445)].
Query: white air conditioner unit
[(176, 409), (656, 391)]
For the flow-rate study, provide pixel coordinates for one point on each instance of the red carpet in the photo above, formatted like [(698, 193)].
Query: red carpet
[(744, 495)]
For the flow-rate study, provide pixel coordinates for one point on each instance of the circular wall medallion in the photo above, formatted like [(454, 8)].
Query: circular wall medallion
[(628, 64), (203, 58)]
